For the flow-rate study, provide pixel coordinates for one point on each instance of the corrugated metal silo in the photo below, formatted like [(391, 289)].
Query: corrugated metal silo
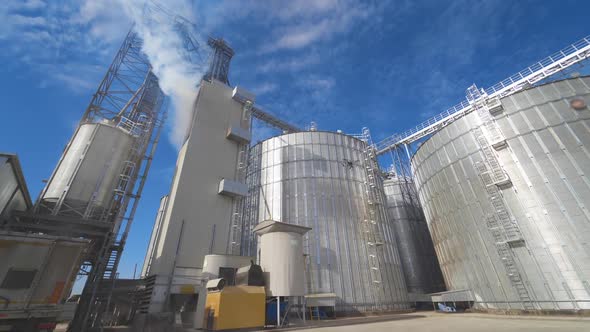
[(506, 198), (328, 181), (416, 250)]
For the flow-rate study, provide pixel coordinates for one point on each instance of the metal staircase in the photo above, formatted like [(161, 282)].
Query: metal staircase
[(144, 297), (500, 223), (112, 262)]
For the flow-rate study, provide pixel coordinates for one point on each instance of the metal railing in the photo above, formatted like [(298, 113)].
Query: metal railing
[(540, 70), (581, 46)]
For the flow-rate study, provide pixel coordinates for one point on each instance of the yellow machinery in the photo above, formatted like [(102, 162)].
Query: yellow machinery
[(234, 307)]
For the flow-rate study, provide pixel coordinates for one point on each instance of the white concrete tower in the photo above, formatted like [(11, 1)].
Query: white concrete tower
[(196, 219)]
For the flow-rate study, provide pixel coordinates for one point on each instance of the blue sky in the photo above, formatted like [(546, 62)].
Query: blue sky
[(386, 65)]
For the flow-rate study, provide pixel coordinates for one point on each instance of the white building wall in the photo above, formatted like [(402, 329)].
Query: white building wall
[(204, 160), (155, 237)]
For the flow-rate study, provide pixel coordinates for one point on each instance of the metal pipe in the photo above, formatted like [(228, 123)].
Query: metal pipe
[(167, 301), (278, 311)]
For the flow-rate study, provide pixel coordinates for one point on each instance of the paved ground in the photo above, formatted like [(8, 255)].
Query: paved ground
[(437, 322)]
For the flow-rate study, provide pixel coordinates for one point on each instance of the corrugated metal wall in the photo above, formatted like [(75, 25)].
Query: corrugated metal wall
[(419, 261), (318, 180), (511, 221)]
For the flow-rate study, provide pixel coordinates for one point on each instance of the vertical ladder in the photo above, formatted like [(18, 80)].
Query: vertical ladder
[(507, 257), (235, 241), (370, 224), (502, 226), (248, 240)]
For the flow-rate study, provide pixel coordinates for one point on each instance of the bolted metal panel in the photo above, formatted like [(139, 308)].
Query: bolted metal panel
[(319, 180), (419, 262), (511, 222)]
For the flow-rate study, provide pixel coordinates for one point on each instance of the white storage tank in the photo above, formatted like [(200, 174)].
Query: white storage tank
[(90, 171), (281, 257), (506, 194)]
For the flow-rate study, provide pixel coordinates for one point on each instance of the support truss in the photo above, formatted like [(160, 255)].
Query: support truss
[(273, 120)]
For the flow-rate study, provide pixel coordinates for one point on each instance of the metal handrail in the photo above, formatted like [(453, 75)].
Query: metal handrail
[(540, 70)]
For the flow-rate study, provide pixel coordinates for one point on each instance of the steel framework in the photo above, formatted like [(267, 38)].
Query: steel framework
[(268, 118), (273, 120), (219, 63), (128, 98), (121, 82), (535, 73)]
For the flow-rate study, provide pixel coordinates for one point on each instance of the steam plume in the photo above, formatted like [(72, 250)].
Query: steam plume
[(164, 46)]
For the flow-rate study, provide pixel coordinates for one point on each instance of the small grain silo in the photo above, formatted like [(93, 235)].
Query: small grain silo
[(505, 190), (91, 171), (419, 262), (329, 182)]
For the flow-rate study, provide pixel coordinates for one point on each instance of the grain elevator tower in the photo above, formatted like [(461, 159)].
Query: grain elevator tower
[(206, 185)]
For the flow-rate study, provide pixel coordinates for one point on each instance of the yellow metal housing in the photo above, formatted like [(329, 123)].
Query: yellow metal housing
[(235, 307)]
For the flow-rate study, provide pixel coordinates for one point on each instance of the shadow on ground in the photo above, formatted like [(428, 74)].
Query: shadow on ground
[(346, 321)]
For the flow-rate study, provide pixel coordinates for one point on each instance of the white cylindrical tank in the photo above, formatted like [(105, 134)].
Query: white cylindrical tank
[(90, 170), (281, 257)]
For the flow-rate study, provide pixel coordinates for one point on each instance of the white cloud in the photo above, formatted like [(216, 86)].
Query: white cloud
[(289, 64), (312, 24), (264, 88), (164, 46), (67, 40), (52, 32), (106, 19), (305, 8), (32, 4), (299, 23), (322, 83), (303, 35), (37, 36), (74, 81), (27, 21)]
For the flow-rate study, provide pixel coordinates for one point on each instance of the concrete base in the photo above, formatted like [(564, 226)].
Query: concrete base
[(162, 322), (516, 312)]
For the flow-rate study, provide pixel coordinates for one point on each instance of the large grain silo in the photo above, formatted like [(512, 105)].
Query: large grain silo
[(330, 183), (419, 262), (506, 191)]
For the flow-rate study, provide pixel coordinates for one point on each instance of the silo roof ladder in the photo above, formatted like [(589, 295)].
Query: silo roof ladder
[(504, 231), (370, 224)]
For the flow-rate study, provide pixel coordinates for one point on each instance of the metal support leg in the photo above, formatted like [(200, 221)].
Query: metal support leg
[(409, 158), (304, 307), (278, 311)]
